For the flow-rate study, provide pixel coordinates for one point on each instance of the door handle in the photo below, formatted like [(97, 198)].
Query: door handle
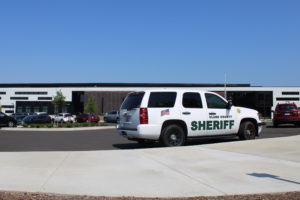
[(212, 113), (186, 113)]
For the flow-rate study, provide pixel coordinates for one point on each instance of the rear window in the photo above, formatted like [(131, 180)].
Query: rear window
[(287, 107), (133, 100), (162, 99)]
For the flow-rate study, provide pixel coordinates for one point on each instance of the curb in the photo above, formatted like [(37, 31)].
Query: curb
[(60, 129)]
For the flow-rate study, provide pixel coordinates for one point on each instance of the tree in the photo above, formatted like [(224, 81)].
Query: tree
[(91, 106), (59, 100)]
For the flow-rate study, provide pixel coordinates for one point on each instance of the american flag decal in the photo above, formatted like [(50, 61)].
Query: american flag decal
[(165, 112)]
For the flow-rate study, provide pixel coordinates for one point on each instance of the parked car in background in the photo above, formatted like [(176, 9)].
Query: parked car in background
[(287, 113), (7, 120), (85, 117), (19, 117), (37, 119), (63, 118), (112, 116)]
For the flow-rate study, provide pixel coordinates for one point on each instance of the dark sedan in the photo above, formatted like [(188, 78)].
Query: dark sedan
[(7, 120), (37, 119)]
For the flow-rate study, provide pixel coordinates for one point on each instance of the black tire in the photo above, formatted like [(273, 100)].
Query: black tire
[(172, 135), (275, 125), (247, 131), (11, 124)]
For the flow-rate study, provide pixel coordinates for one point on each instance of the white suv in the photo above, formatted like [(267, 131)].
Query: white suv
[(172, 116), (64, 118)]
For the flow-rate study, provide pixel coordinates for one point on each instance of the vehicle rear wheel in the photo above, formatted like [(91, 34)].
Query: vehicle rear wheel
[(11, 124), (247, 131), (172, 135), (275, 125)]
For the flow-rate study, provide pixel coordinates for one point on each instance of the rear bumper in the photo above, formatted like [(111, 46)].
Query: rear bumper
[(150, 132), (281, 121)]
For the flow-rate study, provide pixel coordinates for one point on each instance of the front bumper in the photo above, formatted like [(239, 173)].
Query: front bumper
[(259, 127)]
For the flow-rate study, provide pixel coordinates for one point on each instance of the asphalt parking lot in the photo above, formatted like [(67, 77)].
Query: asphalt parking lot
[(14, 141)]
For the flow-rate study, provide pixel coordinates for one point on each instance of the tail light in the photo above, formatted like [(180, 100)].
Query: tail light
[(143, 116)]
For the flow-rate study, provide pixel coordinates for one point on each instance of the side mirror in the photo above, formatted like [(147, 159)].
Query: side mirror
[(229, 104)]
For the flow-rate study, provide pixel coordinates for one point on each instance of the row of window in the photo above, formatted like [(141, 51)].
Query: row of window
[(290, 93), (31, 93), (35, 109), (287, 99), (189, 100), (26, 98), (27, 93)]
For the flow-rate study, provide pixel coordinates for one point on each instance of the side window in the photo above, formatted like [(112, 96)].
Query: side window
[(162, 99), (191, 100), (214, 101)]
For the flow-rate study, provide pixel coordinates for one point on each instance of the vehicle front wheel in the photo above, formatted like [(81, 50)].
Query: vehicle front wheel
[(247, 131), (173, 135), (11, 124)]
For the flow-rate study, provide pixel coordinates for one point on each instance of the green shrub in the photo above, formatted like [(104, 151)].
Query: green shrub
[(59, 125), (94, 124), (69, 125), (49, 125), (32, 125), (76, 125), (25, 125), (103, 124), (38, 125), (85, 124)]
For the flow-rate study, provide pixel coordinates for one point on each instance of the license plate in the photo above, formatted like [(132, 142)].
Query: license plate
[(286, 113)]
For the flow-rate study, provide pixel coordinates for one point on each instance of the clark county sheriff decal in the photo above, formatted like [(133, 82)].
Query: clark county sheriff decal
[(238, 111), (212, 125)]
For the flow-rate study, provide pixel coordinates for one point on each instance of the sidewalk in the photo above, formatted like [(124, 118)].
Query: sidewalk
[(244, 167)]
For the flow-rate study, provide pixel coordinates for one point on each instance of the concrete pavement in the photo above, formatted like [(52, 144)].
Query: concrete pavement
[(244, 167)]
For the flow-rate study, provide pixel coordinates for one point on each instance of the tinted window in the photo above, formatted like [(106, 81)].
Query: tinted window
[(162, 99), (133, 100), (214, 101), (287, 107), (191, 100)]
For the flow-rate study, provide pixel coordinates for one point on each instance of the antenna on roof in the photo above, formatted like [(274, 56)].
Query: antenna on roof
[(225, 95)]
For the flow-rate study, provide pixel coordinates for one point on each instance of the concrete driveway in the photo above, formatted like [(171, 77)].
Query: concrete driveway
[(246, 167)]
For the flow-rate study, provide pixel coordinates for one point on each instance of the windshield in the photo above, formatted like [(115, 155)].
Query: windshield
[(287, 107), (133, 100)]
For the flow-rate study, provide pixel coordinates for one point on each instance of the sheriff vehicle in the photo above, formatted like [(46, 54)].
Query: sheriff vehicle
[(172, 116)]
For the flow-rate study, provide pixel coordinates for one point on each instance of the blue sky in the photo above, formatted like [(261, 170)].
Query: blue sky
[(150, 41)]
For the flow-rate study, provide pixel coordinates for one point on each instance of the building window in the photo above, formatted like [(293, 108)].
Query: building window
[(1, 93), (36, 109), (45, 98), (287, 99), (18, 98), (8, 106), (19, 109), (9, 111), (64, 109), (45, 109), (290, 93), (31, 93), (28, 109)]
